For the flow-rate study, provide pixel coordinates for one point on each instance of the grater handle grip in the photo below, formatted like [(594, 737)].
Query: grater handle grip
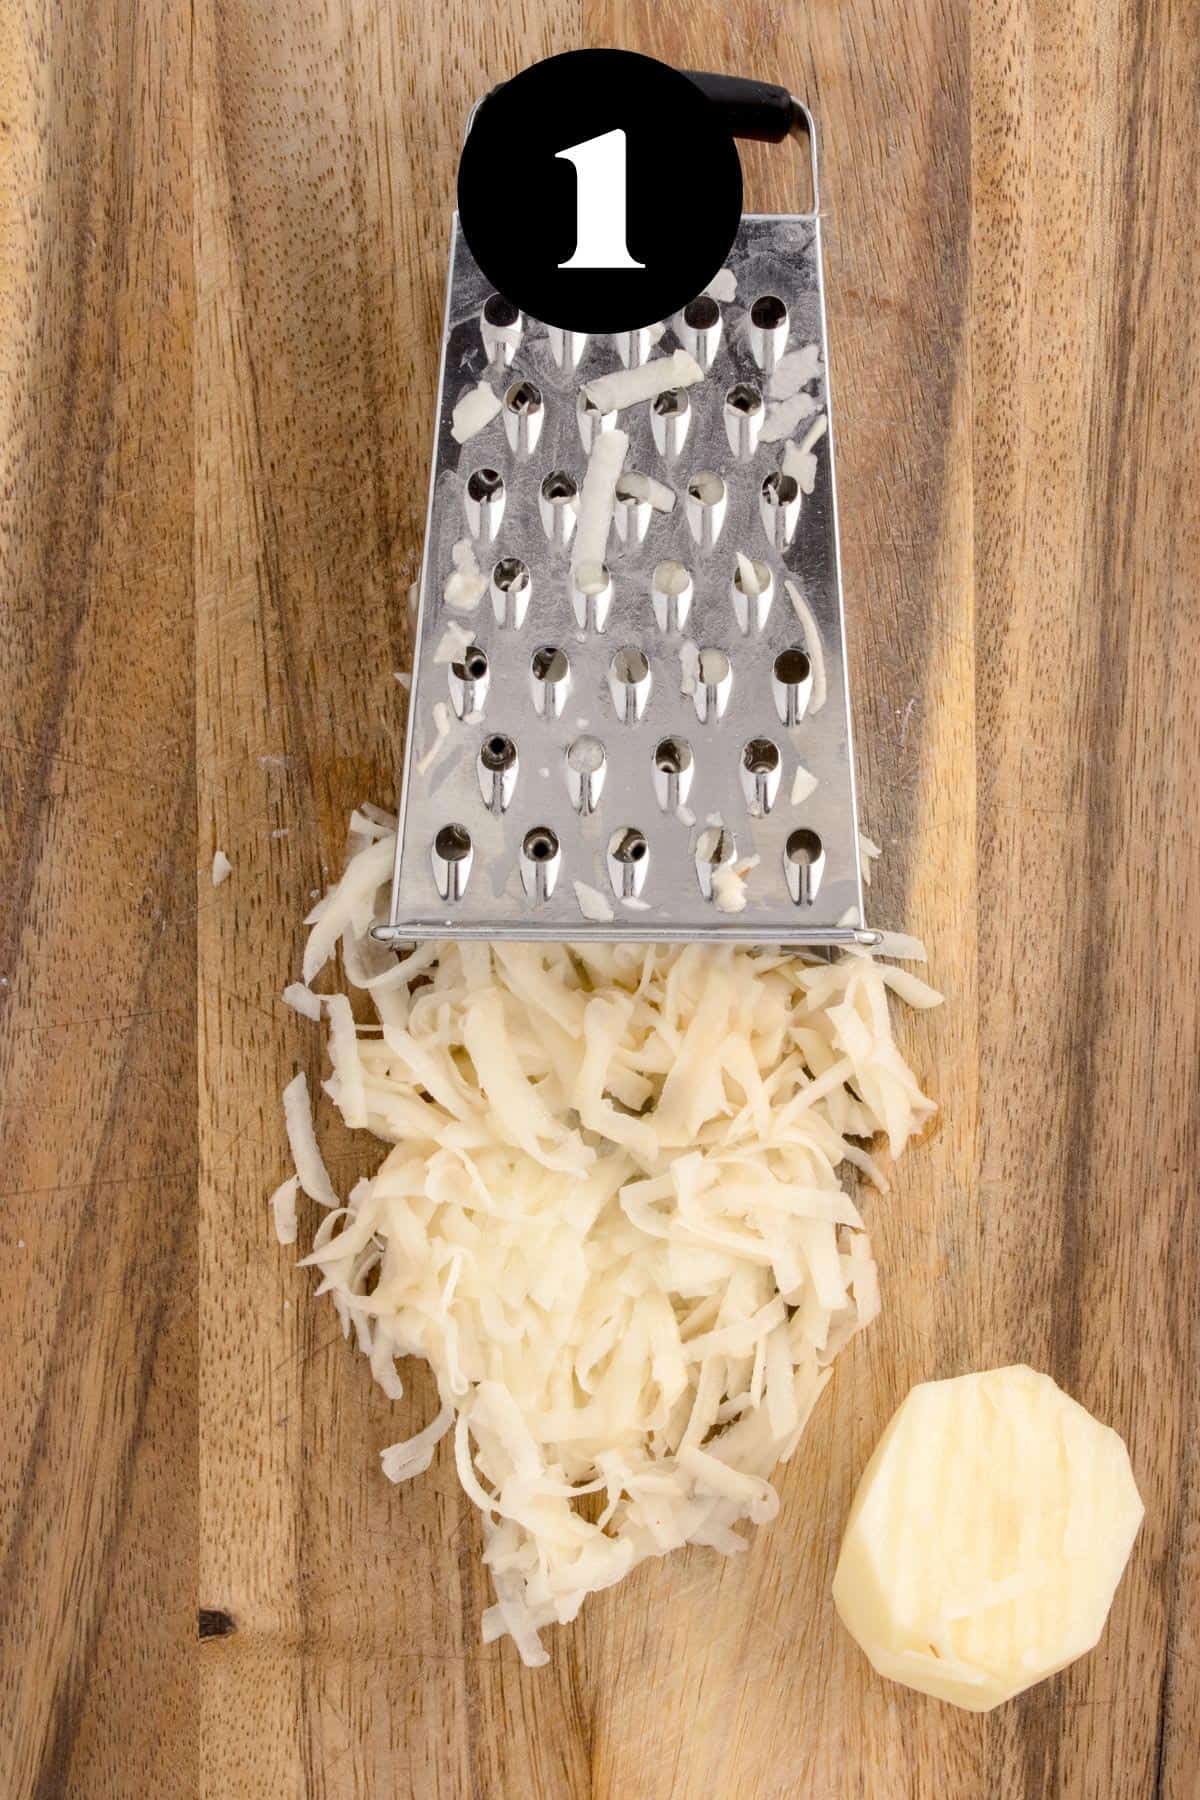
[(751, 109), (763, 111)]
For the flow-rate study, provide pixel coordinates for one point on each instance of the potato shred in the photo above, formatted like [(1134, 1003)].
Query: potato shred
[(610, 1220)]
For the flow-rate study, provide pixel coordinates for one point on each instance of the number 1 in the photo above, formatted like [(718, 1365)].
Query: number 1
[(599, 203)]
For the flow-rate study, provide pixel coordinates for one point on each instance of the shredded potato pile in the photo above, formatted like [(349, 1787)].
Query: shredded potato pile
[(610, 1220)]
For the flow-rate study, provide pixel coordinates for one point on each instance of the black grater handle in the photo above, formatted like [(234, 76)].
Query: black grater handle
[(751, 109)]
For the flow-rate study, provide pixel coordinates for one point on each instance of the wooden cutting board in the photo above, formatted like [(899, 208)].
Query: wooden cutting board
[(1012, 275)]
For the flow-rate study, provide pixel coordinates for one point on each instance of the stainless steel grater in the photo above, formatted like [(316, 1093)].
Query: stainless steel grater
[(668, 754)]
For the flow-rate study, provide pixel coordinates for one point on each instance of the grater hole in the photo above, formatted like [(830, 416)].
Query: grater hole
[(510, 573), (453, 843), (585, 755), (760, 775), (707, 488), (523, 397), (558, 504), (592, 595), (474, 665), (702, 313), (715, 846), (743, 398), (628, 859), (628, 845), (792, 684), (803, 865), (633, 510), (585, 773), (673, 768), (803, 848), (762, 578), (671, 578), (671, 403), (500, 312), (779, 489), (671, 595), (714, 684), (768, 312), (761, 756), (630, 666), (549, 664), (591, 420), (672, 756), (541, 844), (511, 585), (792, 667), (559, 487), (484, 502), (498, 753), (629, 683), (550, 676), (468, 681), (485, 484), (539, 862)]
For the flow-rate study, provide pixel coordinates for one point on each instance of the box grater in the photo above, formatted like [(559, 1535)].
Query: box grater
[(661, 749)]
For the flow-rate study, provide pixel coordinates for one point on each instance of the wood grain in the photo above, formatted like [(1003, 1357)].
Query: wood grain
[(1087, 528), (1009, 192), (767, 1695), (325, 159), (97, 905)]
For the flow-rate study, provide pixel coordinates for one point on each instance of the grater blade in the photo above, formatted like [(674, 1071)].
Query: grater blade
[(666, 756)]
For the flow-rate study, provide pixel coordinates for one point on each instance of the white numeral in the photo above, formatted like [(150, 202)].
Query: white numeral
[(599, 204)]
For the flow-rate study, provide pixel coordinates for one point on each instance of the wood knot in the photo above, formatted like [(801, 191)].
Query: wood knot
[(215, 1624)]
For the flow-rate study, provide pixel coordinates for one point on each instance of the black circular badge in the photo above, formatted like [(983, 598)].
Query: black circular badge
[(599, 190)]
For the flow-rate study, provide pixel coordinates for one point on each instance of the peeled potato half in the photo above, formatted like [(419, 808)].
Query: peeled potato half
[(987, 1537)]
